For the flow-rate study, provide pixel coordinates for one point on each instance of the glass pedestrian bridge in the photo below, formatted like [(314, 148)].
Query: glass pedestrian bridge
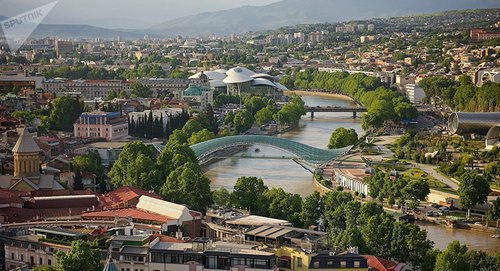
[(303, 152)]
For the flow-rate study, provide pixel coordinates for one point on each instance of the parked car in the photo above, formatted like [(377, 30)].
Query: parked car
[(429, 213), (435, 205), (443, 208)]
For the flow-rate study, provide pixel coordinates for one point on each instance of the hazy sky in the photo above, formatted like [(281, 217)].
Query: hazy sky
[(122, 13)]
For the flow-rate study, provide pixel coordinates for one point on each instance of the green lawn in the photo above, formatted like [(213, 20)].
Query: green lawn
[(418, 174)]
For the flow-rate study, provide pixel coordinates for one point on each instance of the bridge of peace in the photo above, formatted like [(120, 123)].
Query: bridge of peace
[(302, 153)]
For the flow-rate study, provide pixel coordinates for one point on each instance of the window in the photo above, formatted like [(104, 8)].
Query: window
[(49, 262), (32, 260), (357, 263), (343, 264), (299, 262), (22, 258), (212, 262), (12, 256), (40, 261), (316, 264)]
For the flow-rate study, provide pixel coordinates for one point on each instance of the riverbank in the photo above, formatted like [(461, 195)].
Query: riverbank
[(319, 94)]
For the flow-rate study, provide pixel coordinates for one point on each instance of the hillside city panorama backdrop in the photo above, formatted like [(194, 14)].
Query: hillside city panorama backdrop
[(250, 135)]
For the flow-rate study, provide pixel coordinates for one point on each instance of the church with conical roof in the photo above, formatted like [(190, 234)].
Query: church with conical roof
[(27, 174)]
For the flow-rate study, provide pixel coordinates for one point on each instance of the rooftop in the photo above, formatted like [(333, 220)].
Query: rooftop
[(26, 143)]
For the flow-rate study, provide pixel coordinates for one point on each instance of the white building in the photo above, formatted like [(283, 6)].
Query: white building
[(415, 93)]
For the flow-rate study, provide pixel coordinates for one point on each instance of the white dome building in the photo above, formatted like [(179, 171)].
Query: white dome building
[(240, 80)]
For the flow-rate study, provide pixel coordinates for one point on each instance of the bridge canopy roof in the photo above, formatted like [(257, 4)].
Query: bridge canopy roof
[(303, 152)]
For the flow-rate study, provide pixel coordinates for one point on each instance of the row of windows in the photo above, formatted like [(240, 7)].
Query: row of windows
[(130, 258), (32, 259)]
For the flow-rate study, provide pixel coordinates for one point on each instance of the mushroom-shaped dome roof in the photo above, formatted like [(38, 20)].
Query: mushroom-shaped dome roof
[(26, 143), (238, 75), (211, 75), (263, 82), (265, 76), (217, 83)]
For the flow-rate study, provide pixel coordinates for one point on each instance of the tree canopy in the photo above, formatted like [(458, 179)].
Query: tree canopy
[(65, 111), (342, 137), (81, 257)]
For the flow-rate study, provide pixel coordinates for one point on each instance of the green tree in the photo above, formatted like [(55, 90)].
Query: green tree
[(141, 91), (243, 121), (77, 181), (283, 205), (416, 190), (187, 185), (81, 257), (44, 268), (342, 137), (201, 136), (480, 261), (473, 189), (494, 211), (453, 258), (248, 193), (191, 127), (311, 209), (112, 95), (135, 167), (409, 243), (429, 261), (222, 197), (26, 115), (65, 111), (90, 163), (264, 116)]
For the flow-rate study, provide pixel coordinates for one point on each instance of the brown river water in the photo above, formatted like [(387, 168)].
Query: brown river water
[(290, 176)]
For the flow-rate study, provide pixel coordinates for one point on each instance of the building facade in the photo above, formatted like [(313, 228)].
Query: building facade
[(108, 125)]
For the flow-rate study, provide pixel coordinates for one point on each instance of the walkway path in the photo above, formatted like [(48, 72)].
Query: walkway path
[(429, 169)]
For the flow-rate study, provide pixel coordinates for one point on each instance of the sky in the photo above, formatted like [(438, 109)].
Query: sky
[(127, 14)]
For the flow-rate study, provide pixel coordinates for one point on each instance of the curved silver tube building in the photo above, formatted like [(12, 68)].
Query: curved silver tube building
[(493, 137), (472, 123)]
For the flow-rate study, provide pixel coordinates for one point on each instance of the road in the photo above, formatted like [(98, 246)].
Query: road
[(429, 169)]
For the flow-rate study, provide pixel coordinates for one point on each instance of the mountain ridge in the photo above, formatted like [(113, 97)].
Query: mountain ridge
[(292, 12)]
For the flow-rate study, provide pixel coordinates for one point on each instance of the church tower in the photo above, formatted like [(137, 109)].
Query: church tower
[(26, 156)]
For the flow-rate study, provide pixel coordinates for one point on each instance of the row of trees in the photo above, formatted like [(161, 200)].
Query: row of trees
[(263, 110), (347, 221), (175, 173), (404, 191), (150, 127), (382, 103), (86, 72), (462, 95)]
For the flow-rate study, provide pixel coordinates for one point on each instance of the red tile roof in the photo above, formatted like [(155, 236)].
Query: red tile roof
[(124, 194), (380, 264), (165, 238), (23, 215), (134, 213), (11, 196)]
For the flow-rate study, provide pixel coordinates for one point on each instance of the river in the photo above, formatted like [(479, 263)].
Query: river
[(293, 178)]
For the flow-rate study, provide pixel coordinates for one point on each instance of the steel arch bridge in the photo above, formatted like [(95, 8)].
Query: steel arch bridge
[(303, 152)]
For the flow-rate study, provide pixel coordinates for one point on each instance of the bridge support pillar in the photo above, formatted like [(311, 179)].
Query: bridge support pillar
[(354, 115), (312, 114)]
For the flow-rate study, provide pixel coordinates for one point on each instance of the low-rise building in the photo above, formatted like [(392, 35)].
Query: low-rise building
[(108, 125), (415, 93), (351, 179)]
